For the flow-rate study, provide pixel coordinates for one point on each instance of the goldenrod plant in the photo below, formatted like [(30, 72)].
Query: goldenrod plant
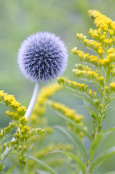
[(97, 67), (27, 140), (17, 145)]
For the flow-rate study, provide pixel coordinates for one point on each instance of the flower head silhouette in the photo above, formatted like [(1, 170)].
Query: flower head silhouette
[(42, 57)]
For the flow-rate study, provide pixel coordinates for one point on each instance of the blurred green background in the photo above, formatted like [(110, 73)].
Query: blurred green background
[(19, 19)]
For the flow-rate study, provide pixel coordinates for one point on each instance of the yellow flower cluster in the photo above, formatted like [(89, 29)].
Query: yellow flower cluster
[(86, 72), (112, 87), (112, 71), (39, 109), (103, 42), (54, 162), (106, 28), (52, 147), (20, 138), (102, 21), (72, 85), (11, 103), (91, 44), (93, 96), (110, 58), (102, 37), (103, 61), (69, 113)]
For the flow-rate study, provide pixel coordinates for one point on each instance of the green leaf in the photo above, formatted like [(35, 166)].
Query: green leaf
[(102, 157), (48, 168), (111, 172), (75, 124), (109, 130), (112, 99), (92, 113), (11, 169), (79, 162), (87, 100), (75, 158), (109, 101), (108, 110), (41, 172), (95, 144), (27, 158), (5, 138), (75, 141), (99, 89)]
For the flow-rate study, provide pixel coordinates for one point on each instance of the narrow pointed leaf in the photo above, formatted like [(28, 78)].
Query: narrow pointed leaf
[(92, 113), (27, 158), (11, 169), (95, 144), (48, 168), (87, 100), (109, 130), (102, 157), (42, 172), (75, 141), (75, 158), (79, 162), (76, 125), (112, 172)]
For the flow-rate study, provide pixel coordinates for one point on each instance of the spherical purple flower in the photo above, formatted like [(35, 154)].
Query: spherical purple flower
[(42, 57)]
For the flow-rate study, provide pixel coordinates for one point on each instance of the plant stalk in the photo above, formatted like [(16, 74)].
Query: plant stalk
[(32, 102), (88, 167)]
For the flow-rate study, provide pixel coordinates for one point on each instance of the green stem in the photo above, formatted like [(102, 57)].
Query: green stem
[(101, 115), (88, 167), (5, 154), (23, 170), (32, 102), (98, 129), (103, 98)]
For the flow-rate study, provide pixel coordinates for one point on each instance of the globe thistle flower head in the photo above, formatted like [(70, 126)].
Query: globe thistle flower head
[(42, 57)]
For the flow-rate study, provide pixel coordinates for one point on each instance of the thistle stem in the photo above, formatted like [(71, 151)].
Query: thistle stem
[(32, 102)]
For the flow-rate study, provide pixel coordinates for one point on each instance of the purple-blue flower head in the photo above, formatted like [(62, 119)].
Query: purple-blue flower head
[(42, 57)]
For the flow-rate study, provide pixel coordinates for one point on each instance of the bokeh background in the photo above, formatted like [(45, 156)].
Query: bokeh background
[(19, 19)]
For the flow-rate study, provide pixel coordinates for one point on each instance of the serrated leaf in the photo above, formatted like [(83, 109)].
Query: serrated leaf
[(48, 168), (95, 144), (75, 124), (102, 157), (75, 158), (75, 141), (11, 169)]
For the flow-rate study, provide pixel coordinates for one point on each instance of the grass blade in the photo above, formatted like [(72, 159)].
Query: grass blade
[(75, 158), (102, 157), (48, 168), (75, 124), (75, 141)]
